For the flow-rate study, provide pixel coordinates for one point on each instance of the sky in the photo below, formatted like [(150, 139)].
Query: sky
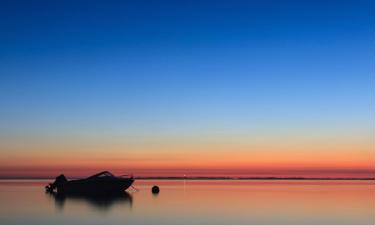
[(195, 88)]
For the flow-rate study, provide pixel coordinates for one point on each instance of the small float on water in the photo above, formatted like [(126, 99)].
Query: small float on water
[(103, 183)]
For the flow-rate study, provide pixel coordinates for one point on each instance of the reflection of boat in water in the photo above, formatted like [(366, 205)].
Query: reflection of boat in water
[(103, 183), (101, 202)]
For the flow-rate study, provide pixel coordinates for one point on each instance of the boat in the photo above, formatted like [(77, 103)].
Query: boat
[(103, 183)]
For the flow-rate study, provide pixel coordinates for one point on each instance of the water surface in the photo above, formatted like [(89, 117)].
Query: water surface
[(197, 202)]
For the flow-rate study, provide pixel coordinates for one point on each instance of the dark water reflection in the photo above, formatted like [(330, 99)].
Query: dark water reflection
[(101, 203), (196, 202)]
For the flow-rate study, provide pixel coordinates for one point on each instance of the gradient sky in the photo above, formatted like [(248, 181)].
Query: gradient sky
[(156, 88)]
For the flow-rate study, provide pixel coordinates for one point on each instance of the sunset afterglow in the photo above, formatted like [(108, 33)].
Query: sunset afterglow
[(219, 88)]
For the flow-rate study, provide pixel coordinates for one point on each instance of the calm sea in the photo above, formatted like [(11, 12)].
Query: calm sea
[(197, 202)]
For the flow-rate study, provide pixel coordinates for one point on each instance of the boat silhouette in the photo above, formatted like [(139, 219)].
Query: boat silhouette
[(103, 183)]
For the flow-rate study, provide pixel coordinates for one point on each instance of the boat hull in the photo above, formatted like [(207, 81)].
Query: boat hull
[(95, 187)]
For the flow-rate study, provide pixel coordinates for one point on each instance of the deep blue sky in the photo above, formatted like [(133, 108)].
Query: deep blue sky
[(186, 67)]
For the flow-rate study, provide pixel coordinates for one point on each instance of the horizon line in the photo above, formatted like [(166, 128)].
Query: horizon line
[(205, 178)]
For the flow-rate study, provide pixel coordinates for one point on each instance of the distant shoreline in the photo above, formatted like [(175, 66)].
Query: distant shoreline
[(247, 178), (204, 178)]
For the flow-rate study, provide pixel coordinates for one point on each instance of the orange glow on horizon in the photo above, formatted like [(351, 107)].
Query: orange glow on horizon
[(283, 157)]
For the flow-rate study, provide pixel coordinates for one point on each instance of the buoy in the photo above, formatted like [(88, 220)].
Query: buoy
[(155, 189)]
